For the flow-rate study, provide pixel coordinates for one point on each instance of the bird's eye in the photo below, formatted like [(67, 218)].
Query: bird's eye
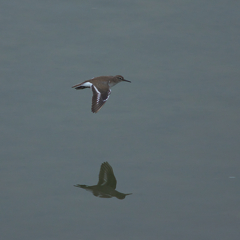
[(121, 78)]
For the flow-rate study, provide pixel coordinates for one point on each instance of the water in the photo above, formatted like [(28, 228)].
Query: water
[(171, 136)]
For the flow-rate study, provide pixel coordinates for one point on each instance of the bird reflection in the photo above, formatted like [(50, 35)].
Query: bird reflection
[(106, 184)]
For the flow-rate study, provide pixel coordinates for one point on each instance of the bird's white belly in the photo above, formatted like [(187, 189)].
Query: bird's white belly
[(111, 84)]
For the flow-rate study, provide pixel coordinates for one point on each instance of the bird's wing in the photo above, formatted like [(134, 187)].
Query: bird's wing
[(99, 98), (106, 176)]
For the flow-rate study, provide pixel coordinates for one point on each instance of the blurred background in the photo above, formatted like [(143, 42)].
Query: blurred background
[(172, 136)]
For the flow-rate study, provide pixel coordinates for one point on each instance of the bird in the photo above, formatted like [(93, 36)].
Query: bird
[(101, 89), (106, 184)]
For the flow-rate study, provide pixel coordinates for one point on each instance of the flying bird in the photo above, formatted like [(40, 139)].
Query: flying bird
[(106, 184), (101, 89)]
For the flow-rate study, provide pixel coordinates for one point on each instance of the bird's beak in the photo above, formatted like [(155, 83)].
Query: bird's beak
[(126, 80)]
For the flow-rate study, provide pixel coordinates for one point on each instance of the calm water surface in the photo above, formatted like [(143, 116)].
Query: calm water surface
[(172, 136)]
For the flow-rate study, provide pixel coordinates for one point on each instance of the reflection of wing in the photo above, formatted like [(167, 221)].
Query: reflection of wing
[(106, 176), (98, 99)]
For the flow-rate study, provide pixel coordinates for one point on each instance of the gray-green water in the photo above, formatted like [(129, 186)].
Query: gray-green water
[(172, 136)]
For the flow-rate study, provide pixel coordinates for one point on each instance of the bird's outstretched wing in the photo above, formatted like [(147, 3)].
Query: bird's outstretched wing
[(99, 98), (106, 176)]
